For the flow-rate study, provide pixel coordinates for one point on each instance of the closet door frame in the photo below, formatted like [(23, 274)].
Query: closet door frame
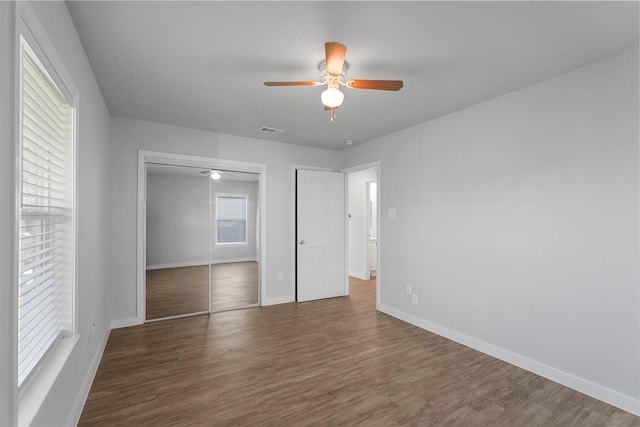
[(145, 157)]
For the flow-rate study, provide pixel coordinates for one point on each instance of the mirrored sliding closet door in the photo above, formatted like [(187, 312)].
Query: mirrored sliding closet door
[(234, 254), (201, 240)]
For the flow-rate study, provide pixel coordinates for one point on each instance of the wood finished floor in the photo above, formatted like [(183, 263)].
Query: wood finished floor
[(183, 290), (329, 362)]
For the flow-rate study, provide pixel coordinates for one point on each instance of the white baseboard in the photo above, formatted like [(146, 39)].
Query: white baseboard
[(196, 263), (228, 261), (125, 323), (599, 392), (358, 275), (76, 412), (278, 300)]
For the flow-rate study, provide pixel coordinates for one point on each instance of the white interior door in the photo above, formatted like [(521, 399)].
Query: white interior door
[(320, 235)]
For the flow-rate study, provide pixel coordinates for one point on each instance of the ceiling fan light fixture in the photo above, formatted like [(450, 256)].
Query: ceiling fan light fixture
[(332, 97), (215, 175), (333, 74)]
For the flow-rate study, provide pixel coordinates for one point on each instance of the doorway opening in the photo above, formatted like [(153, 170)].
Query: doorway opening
[(362, 229)]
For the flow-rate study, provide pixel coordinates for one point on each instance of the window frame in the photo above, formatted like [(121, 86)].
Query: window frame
[(215, 219), (31, 36)]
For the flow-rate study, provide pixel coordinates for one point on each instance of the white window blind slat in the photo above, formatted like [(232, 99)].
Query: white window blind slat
[(41, 274), (34, 235), (42, 138), (29, 258), (45, 119), (33, 243), (231, 208), (48, 316), (33, 154), (42, 179), (43, 191), (45, 339), (46, 253), (27, 230), (55, 113), (39, 126), (38, 307), (231, 219), (42, 184), (51, 119), (47, 192), (34, 200), (37, 168), (37, 256), (48, 321), (48, 92)]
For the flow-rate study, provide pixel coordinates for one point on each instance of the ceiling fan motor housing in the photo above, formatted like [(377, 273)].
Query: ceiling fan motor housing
[(332, 80)]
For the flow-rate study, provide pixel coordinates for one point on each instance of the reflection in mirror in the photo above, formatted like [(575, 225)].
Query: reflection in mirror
[(234, 249), (201, 240), (177, 246)]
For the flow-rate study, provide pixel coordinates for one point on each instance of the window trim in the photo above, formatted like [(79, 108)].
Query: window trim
[(246, 221), (28, 30)]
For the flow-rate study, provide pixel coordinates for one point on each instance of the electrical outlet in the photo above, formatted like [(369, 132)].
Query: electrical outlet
[(407, 289), (414, 299), (280, 275)]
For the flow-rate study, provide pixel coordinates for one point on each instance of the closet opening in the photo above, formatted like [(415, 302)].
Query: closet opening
[(202, 243)]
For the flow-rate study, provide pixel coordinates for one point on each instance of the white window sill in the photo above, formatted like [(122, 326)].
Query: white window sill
[(38, 388)]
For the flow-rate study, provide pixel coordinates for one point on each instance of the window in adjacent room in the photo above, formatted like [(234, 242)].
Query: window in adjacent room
[(231, 219), (46, 242)]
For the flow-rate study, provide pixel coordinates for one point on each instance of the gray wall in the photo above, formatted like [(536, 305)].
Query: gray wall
[(178, 220), (129, 136), (7, 209), (517, 225), (64, 401)]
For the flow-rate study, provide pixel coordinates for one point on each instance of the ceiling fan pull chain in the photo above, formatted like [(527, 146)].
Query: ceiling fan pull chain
[(332, 114)]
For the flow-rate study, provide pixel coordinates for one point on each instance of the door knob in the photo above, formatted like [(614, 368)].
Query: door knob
[(302, 242)]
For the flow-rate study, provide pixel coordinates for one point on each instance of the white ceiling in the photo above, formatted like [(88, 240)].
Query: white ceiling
[(202, 64)]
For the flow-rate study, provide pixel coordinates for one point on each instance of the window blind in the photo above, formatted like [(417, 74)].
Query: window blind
[(46, 253), (231, 219)]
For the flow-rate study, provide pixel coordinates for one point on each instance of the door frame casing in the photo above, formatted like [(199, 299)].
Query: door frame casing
[(144, 157), (377, 165), (367, 201)]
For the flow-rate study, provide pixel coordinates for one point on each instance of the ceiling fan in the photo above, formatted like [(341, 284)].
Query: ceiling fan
[(333, 72)]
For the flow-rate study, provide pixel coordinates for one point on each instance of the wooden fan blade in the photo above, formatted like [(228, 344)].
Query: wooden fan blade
[(329, 108), (292, 83), (335, 53), (376, 84)]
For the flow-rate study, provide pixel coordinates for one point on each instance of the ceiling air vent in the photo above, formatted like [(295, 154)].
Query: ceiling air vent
[(270, 131)]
